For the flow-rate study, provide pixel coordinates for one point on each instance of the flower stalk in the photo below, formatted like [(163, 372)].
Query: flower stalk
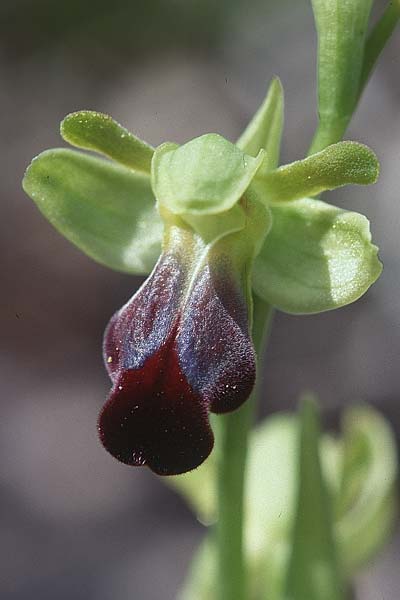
[(234, 429)]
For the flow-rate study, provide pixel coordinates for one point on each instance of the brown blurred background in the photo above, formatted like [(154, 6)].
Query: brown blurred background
[(74, 523)]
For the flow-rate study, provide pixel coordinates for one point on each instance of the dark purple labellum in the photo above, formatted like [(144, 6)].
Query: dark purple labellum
[(178, 349)]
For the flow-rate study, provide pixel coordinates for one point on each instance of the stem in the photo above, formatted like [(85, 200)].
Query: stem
[(234, 434), (331, 127)]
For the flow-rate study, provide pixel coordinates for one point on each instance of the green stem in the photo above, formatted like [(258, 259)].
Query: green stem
[(378, 38), (332, 127), (234, 432)]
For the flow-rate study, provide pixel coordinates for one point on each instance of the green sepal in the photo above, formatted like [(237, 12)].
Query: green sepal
[(99, 132), (342, 26), (208, 175), (106, 210), (316, 257), (338, 165), (265, 129), (313, 569)]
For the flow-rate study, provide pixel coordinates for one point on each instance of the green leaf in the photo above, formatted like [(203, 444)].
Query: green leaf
[(359, 471), (338, 165), (368, 501), (208, 175), (106, 210), (313, 572), (270, 474), (342, 27), (316, 257), (99, 132), (270, 503), (265, 129)]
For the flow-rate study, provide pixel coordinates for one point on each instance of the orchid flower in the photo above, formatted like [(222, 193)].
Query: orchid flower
[(213, 223)]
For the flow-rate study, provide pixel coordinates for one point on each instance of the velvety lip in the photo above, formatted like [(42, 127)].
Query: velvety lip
[(177, 350), (154, 418)]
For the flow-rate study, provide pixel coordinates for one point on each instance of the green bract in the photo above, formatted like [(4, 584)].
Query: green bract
[(312, 256)]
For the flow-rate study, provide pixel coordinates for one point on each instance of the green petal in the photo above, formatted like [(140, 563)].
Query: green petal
[(368, 502), (106, 210), (313, 571), (316, 257), (340, 164), (342, 26), (208, 175), (99, 132), (265, 129)]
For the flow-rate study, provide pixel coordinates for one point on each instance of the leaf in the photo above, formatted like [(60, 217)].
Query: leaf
[(368, 503), (265, 129), (338, 165), (269, 506), (316, 257), (208, 175), (270, 475), (342, 26), (106, 210), (95, 131), (313, 571), (359, 470)]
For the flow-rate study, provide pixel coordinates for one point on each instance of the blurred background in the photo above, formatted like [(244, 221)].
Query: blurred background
[(75, 523)]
